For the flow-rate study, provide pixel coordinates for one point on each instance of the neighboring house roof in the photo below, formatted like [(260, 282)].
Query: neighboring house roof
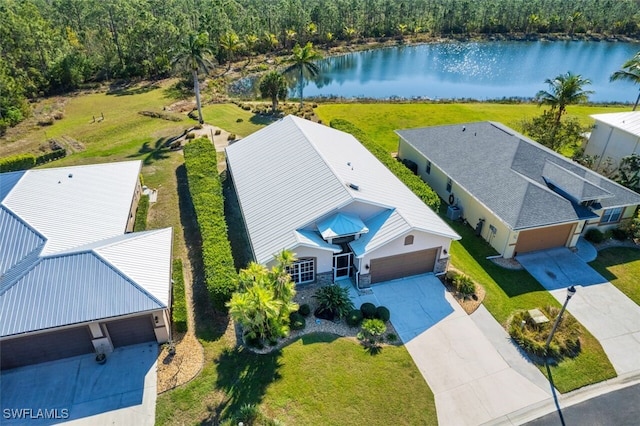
[(97, 271), (511, 174), (295, 172), (627, 121)]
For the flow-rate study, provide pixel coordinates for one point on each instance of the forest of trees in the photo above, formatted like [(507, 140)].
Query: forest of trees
[(54, 46)]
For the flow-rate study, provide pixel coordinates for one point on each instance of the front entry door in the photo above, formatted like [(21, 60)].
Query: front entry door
[(342, 265)]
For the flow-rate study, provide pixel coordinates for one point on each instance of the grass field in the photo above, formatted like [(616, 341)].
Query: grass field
[(621, 266), (380, 120)]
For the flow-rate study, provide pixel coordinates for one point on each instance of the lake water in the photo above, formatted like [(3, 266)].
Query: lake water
[(482, 70)]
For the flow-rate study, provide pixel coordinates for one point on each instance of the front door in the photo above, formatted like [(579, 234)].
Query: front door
[(342, 265)]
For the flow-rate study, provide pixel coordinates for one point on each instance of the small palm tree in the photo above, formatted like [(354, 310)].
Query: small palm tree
[(631, 72), (302, 63), (194, 54), (274, 86), (230, 43), (565, 89), (250, 42), (270, 40)]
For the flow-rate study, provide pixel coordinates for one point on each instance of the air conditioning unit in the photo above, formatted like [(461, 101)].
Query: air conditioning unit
[(454, 212)]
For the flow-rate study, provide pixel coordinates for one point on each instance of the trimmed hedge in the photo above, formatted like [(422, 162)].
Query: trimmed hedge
[(141, 214), (354, 318), (594, 235), (50, 156), (208, 202), (304, 310), (382, 313), (297, 321), (17, 162), (413, 182), (368, 310), (179, 308)]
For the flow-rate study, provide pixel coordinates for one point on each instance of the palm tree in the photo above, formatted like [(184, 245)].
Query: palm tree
[(274, 86), (271, 41), (302, 62), (193, 54), (565, 89), (631, 72), (230, 43)]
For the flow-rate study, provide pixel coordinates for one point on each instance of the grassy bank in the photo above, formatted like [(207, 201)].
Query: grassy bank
[(621, 266)]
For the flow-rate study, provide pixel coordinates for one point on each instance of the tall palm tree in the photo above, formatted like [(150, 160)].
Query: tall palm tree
[(274, 86), (565, 89), (302, 62), (193, 54), (230, 43), (631, 72)]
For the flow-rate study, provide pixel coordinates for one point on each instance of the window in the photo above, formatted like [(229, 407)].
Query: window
[(611, 215), (428, 167), (408, 240), (302, 271), (449, 185)]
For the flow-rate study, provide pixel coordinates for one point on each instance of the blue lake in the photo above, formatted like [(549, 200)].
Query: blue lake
[(477, 70)]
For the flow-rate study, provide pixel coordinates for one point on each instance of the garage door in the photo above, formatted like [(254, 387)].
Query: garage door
[(402, 265), (45, 347), (131, 331), (544, 238)]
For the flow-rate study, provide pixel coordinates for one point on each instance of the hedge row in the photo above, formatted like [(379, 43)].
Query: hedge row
[(208, 202), (27, 161), (179, 310), (415, 184), (141, 214)]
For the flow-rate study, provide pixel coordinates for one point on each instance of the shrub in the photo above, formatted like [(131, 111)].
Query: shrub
[(217, 132), (451, 276), (179, 308), (464, 285), (58, 115), (190, 135), (296, 321), (206, 193), (415, 183), (372, 330), (354, 318), (391, 337), (239, 120), (368, 310), (619, 234), (333, 299), (382, 313), (231, 137), (141, 214), (198, 126), (50, 156), (46, 121), (594, 235), (17, 162), (304, 310)]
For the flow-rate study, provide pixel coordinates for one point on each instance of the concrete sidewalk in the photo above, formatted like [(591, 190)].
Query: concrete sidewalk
[(605, 311), (78, 391), (473, 382)]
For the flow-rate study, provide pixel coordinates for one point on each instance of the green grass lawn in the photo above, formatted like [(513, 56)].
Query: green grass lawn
[(380, 120), (621, 266), (226, 116), (317, 379)]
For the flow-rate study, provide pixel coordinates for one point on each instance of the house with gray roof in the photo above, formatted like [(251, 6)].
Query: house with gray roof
[(74, 279), (318, 192), (613, 137), (518, 195)]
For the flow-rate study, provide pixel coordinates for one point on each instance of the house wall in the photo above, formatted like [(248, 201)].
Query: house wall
[(472, 209), (627, 214), (421, 241), (607, 141)]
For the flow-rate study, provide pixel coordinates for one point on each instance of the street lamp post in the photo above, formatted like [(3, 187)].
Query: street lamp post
[(570, 292)]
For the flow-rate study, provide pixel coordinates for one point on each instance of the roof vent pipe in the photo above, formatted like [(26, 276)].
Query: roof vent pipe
[(354, 186)]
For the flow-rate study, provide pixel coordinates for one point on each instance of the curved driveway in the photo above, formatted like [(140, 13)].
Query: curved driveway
[(474, 371)]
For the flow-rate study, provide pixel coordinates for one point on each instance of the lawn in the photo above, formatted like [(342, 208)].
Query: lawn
[(621, 266), (234, 119), (380, 120), (317, 379)]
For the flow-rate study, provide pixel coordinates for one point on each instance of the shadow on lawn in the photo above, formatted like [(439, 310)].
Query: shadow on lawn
[(244, 376), (236, 231), (614, 256), (129, 88), (159, 151), (210, 325)]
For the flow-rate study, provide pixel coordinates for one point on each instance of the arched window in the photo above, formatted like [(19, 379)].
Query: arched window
[(408, 240)]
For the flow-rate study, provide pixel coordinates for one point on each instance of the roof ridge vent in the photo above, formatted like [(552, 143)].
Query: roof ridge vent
[(354, 186)]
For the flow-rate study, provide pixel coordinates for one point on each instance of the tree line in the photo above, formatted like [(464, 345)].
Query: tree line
[(54, 46)]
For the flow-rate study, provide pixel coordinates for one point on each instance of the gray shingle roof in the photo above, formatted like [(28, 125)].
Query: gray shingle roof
[(505, 171)]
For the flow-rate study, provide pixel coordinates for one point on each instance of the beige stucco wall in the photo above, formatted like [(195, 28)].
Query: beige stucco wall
[(324, 258), (627, 214), (609, 142), (421, 241)]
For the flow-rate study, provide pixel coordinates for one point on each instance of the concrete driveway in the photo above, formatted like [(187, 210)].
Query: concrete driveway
[(78, 391), (473, 380), (605, 311)]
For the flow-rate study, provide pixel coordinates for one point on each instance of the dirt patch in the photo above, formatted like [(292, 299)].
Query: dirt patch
[(468, 303), (181, 367)]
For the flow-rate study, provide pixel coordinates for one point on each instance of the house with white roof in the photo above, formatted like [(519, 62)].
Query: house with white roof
[(614, 136), (74, 279), (518, 195), (318, 192)]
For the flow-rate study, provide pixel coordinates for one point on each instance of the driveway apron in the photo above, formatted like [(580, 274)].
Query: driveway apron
[(605, 311), (472, 382)]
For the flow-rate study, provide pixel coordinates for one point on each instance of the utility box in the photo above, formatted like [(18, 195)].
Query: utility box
[(454, 212)]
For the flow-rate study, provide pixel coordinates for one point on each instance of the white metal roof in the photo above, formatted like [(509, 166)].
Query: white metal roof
[(294, 172), (627, 121), (72, 206)]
